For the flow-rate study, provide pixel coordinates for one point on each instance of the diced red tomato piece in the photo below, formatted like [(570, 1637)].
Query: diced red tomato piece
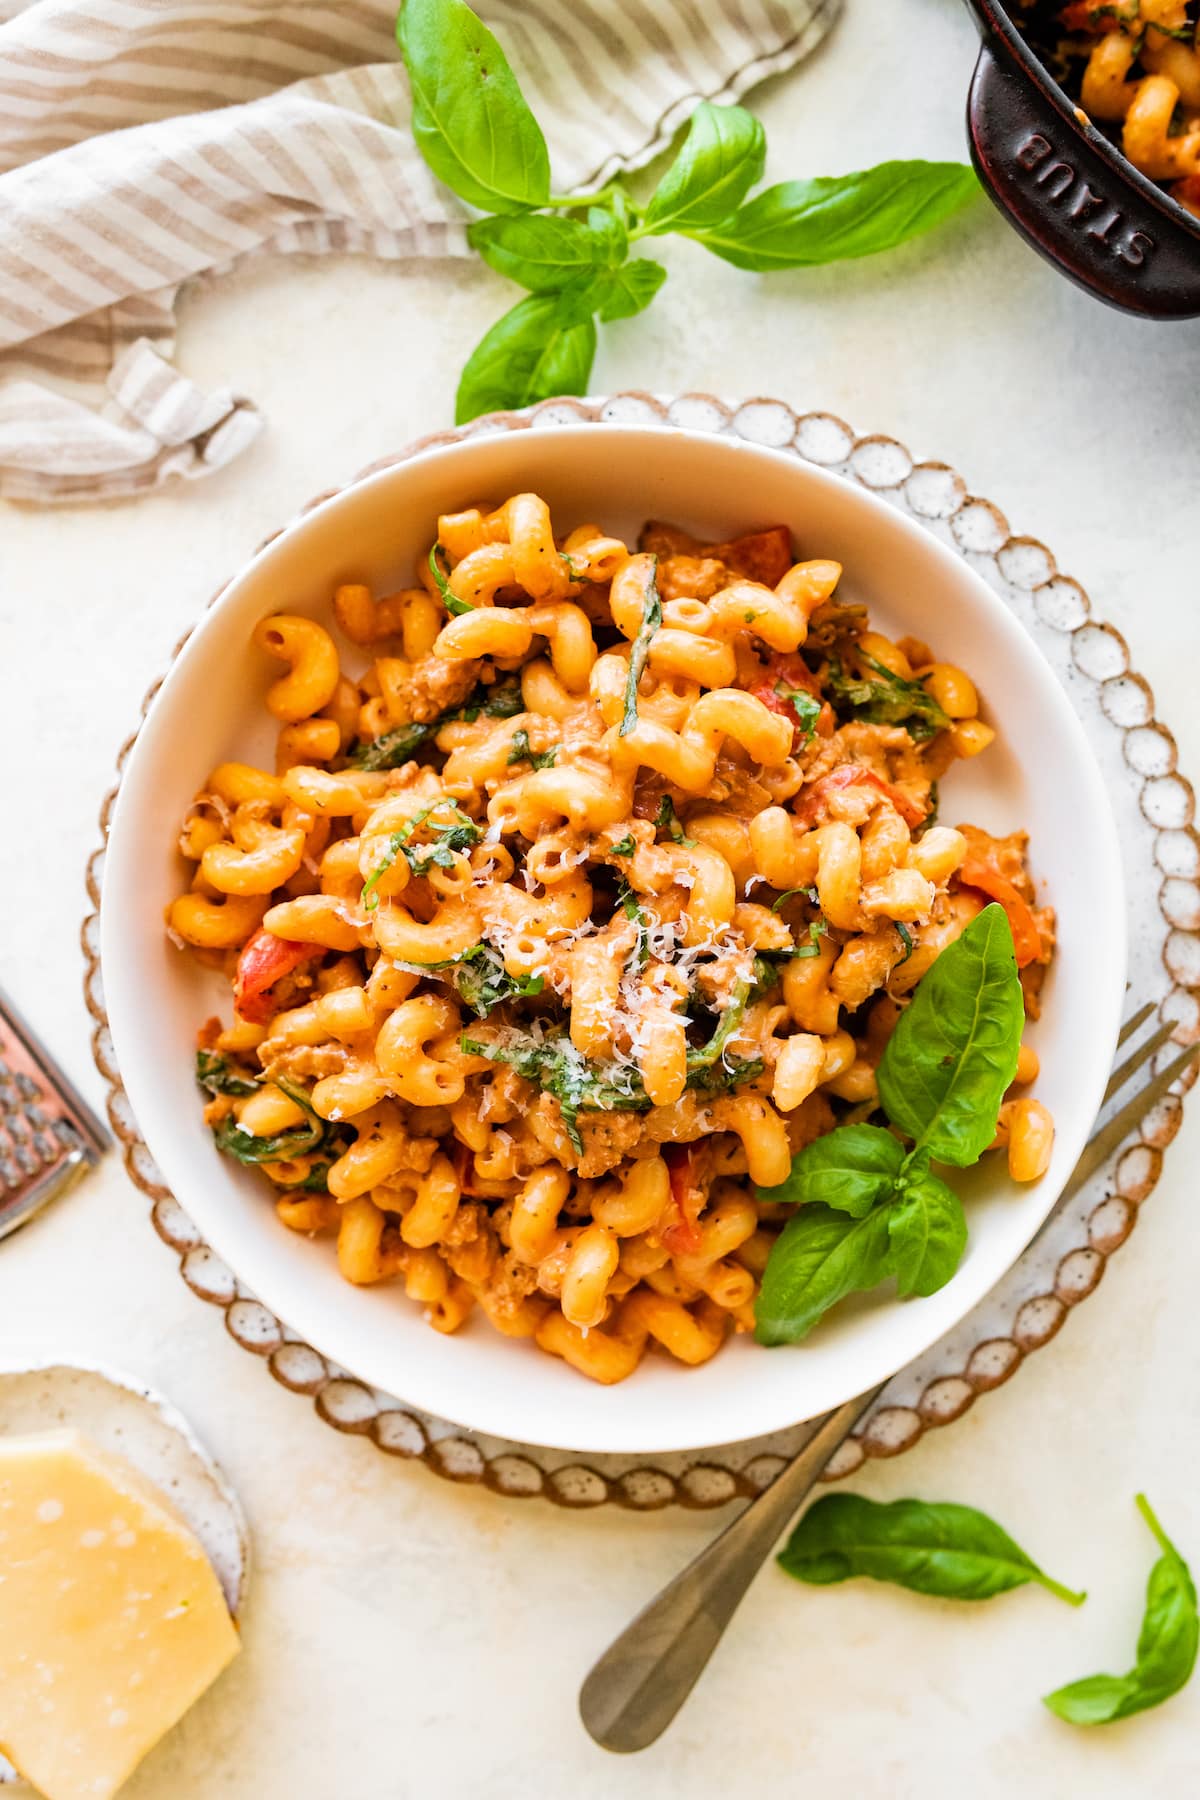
[(266, 959), (854, 775), (986, 878), (764, 556), (682, 1236), (793, 672)]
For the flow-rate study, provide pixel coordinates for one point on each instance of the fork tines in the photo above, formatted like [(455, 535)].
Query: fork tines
[(1114, 1130)]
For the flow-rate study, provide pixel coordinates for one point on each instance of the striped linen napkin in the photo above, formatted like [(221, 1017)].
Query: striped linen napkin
[(145, 141)]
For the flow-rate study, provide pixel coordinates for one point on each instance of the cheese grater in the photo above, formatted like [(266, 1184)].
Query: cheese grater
[(49, 1136)]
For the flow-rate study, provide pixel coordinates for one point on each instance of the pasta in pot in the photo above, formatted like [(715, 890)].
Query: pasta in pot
[(1134, 67), (576, 913)]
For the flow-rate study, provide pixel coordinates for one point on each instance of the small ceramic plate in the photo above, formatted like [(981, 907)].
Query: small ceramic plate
[(132, 1421), (1028, 1306)]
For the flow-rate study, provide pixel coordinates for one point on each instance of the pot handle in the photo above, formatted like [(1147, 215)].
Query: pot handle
[(1075, 209)]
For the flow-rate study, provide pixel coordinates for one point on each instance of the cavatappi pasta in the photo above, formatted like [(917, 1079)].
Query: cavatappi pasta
[(1134, 67), (586, 902)]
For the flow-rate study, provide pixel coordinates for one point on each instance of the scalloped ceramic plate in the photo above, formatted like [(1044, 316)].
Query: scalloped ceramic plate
[(131, 1420), (1024, 1313), (210, 708)]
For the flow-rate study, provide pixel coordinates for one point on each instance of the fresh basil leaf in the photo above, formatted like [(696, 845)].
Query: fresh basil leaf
[(620, 293), (927, 1233), (766, 972), (448, 962), (631, 907), (797, 223), (451, 841), (719, 161), (502, 701), (1166, 1650), (889, 699), (218, 1075), (813, 947), (317, 1179), (369, 899), (542, 252), (469, 117), (724, 1077), (456, 835), (519, 751), (424, 857), (450, 600), (544, 346), (806, 707), (818, 1258), (610, 230), (851, 1169), (651, 620), (393, 748), (707, 1055), (245, 1147), (624, 846), (484, 983), (668, 820), (905, 936), (951, 1551), (954, 1050)]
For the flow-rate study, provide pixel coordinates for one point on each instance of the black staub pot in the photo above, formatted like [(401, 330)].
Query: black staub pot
[(1068, 190)]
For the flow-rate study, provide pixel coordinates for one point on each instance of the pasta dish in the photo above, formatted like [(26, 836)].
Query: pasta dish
[(587, 889), (1134, 67)]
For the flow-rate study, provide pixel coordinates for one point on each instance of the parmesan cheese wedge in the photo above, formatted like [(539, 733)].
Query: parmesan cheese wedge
[(112, 1621)]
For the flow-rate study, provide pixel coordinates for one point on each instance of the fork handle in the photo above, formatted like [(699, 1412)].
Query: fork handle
[(646, 1674)]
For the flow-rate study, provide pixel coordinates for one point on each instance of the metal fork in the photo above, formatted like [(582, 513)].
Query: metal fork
[(646, 1674)]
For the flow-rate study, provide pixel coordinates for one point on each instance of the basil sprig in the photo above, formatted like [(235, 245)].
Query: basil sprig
[(571, 252), (951, 1551), (869, 1207), (1166, 1648)]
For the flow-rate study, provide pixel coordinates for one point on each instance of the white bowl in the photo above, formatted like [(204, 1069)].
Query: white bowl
[(1039, 775)]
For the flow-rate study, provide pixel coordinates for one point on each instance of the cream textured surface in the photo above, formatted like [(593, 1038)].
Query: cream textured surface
[(405, 1634)]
